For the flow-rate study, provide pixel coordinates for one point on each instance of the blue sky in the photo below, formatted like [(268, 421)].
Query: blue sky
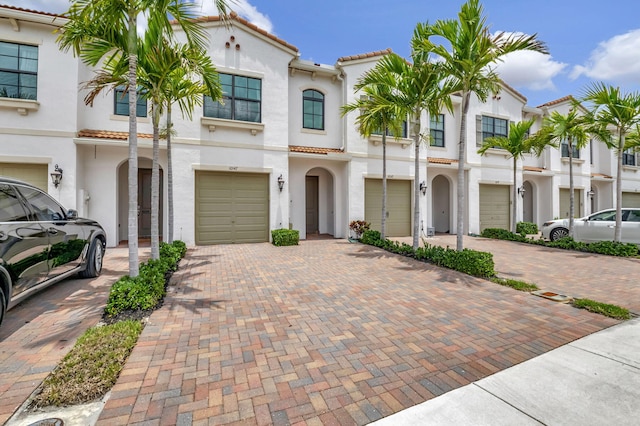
[(588, 40)]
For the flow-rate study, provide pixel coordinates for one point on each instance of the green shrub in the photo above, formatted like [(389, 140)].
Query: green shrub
[(613, 248), (476, 263), (526, 228), (516, 284), (502, 234), (285, 237), (147, 289)]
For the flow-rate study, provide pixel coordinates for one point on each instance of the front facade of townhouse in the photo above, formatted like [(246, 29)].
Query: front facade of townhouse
[(277, 153)]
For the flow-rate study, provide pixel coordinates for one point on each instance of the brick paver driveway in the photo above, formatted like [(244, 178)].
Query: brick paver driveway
[(39, 332), (607, 279), (326, 332)]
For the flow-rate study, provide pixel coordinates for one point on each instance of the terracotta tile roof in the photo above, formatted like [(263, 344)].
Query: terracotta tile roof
[(533, 169), (234, 16), (441, 160), (557, 101), (107, 134), (21, 9), (314, 150), (601, 175), (365, 55)]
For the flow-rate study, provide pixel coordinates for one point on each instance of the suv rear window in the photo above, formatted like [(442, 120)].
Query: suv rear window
[(11, 209)]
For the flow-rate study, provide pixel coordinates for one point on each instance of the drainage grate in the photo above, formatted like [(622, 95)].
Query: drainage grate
[(553, 296)]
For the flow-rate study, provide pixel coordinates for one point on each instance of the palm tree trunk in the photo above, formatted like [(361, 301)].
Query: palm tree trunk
[(571, 199), (383, 222), (155, 183), (169, 175), (515, 197), (132, 228), (461, 183), (416, 184), (617, 235)]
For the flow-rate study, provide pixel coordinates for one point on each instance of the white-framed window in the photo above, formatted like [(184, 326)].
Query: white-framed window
[(312, 110), (436, 127), (18, 71), (242, 99), (121, 102)]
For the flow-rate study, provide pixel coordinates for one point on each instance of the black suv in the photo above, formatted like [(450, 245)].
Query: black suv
[(42, 243)]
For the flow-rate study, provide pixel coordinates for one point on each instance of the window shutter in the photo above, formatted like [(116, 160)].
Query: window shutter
[(478, 130)]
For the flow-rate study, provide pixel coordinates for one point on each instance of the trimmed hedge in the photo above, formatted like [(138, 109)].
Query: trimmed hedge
[(285, 237), (472, 262), (147, 289), (526, 228), (610, 248)]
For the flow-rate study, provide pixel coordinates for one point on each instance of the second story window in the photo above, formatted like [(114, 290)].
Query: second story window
[(494, 127), (564, 150), (121, 102), (403, 131), (629, 158), (242, 99), (18, 71), (437, 130), (312, 110)]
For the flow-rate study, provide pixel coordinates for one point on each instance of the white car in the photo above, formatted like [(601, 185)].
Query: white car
[(598, 226)]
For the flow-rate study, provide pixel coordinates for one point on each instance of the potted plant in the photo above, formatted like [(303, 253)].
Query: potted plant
[(358, 227)]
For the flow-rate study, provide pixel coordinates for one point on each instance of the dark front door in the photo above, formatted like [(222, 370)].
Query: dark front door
[(144, 204), (311, 188)]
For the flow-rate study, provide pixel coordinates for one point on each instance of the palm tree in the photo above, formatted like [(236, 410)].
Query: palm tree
[(612, 118), (412, 89), (558, 128), (102, 31), (469, 57), (517, 144), (159, 64), (378, 113)]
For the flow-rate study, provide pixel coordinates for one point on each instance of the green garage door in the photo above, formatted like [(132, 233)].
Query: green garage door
[(630, 199), (35, 174), (231, 207), (564, 203), (494, 206), (398, 222)]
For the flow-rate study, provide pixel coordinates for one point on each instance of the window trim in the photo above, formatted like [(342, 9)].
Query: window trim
[(20, 72), (118, 93), (232, 99), (313, 114), (564, 143), (432, 130)]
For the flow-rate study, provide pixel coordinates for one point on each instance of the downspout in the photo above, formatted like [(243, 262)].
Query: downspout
[(343, 147)]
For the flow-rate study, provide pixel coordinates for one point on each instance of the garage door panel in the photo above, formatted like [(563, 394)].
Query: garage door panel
[(630, 199), (35, 174), (398, 222), (231, 207), (494, 206)]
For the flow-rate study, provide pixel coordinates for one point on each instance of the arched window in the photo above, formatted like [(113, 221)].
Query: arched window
[(312, 110)]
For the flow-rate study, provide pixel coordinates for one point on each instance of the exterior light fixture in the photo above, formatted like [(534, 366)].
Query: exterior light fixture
[(56, 176), (423, 187), (521, 191), (591, 193), (280, 183)]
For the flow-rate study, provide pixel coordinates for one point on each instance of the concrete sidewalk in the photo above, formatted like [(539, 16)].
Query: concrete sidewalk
[(592, 381)]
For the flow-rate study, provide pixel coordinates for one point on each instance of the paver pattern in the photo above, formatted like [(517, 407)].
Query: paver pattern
[(326, 332), (607, 279), (39, 332)]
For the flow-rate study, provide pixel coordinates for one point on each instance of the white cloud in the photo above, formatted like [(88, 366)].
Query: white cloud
[(616, 59), (244, 9), (529, 69)]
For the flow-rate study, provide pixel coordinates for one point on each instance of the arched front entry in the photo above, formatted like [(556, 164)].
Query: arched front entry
[(527, 202), (144, 200), (441, 203), (319, 202)]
